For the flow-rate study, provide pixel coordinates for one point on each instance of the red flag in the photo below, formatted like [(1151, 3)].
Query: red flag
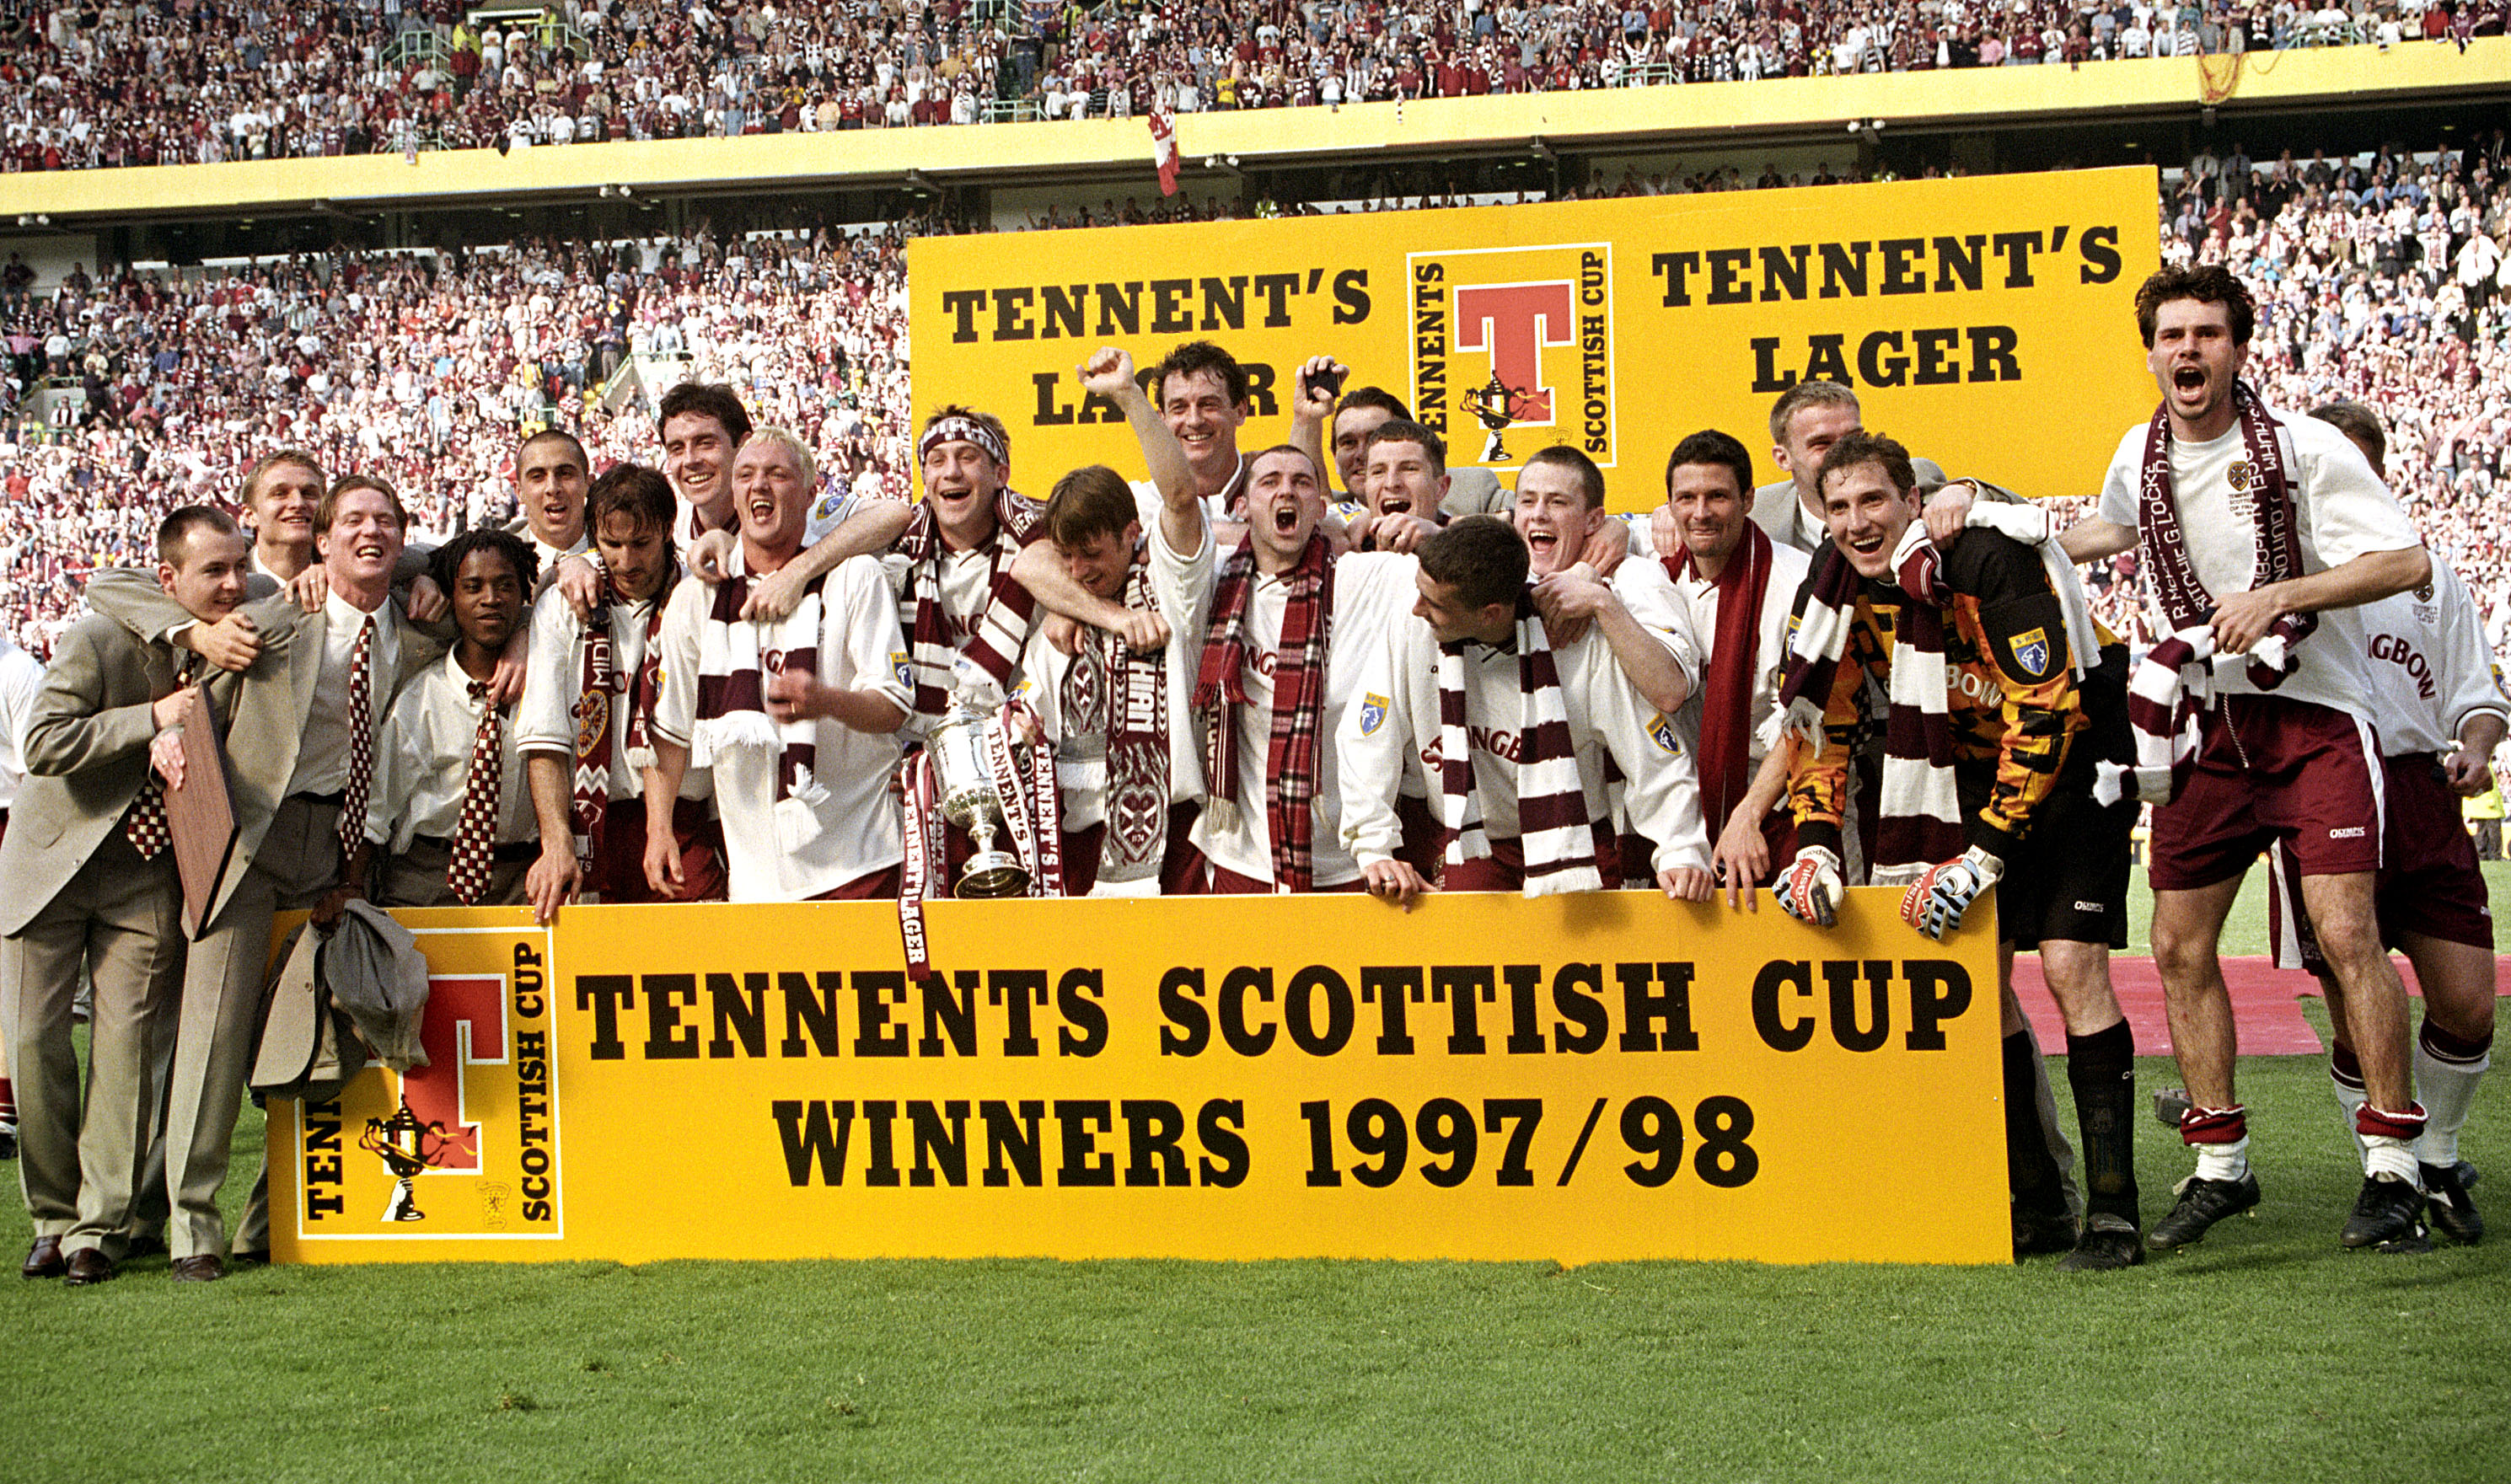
[(1164, 147)]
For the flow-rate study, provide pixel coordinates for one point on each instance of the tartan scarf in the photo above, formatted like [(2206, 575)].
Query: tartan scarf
[(998, 632), (735, 656), (1552, 825), (1735, 659), (1115, 690), (1298, 701), (1920, 817), (590, 813), (2167, 699), (2276, 535)]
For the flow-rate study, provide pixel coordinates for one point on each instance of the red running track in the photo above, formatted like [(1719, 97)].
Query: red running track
[(2267, 1005)]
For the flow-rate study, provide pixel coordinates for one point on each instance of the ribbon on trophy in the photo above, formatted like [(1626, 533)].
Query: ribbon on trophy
[(971, 772)]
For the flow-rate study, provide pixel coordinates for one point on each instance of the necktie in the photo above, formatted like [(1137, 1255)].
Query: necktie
[(362, 741), (475, 839), (145, 825)]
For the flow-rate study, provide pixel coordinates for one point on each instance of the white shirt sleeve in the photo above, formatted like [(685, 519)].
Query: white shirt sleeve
[(2469, 684), (545, 718), (1661, 789), (1374, 735), (863, 604), (2348, 513), (676, 707), (1650, 595)]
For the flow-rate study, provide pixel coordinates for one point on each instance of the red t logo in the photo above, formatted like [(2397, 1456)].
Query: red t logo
[(465, 1026), (1515, 323)]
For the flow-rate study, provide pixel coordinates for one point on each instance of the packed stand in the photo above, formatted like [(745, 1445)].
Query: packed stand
[(160, 84)]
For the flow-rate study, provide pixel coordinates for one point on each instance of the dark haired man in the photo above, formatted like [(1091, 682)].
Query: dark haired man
[(451, 805), (1128, 765), (2003, 696), (1737, 587), (1510, 734), (585, 725), (2259, 533), (1471, 491), (92, 894), (2442, 714), (552, 477)]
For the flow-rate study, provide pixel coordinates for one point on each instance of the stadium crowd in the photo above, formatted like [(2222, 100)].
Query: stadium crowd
[(2384, 279), (101, 84)]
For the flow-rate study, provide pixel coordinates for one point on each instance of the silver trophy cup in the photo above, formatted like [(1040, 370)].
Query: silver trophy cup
[(960, 761)]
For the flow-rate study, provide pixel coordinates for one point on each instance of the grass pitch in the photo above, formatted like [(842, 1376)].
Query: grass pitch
[(2267, 1353)]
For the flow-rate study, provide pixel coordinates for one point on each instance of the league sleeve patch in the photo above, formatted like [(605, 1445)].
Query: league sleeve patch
[(1660, 730), (2025, 637), (904, 667), (1373, 713)]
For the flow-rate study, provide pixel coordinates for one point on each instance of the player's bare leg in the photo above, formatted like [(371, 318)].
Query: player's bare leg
[(2187, 933)]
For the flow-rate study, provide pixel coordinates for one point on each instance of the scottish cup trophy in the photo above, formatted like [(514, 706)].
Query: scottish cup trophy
[(1489, 404), (963, 744), (407, 1147)]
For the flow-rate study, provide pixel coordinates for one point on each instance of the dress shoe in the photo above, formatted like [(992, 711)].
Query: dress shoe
[(44, 1259), (143, 1246), (203, 1269), (261, 1259), (88, 1265)]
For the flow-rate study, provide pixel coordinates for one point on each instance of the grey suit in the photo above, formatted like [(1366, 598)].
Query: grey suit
[(286, 856), (77, 901)]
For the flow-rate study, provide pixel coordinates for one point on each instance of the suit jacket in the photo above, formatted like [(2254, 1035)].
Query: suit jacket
[(86, 754), (266, 718)]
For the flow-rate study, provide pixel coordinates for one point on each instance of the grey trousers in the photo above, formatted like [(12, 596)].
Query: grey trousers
[(119, 923)]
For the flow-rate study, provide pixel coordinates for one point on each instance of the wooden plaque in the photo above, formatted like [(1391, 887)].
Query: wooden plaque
[(201, 813)]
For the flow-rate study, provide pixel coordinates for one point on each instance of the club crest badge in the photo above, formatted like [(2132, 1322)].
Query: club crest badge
[(2031, 652)]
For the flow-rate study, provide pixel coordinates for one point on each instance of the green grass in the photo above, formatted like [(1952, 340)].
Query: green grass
[(2267, 1353)]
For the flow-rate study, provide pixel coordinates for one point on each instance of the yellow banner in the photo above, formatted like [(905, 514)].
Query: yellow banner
[(1987, 323), (1581, 1078)]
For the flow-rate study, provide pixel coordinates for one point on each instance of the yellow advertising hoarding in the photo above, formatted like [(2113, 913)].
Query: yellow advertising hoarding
[(1987, 323), (1587, 1077)]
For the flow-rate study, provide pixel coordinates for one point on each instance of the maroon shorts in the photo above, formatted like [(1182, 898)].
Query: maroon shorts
[(1225, 882), (879, 886), (619, 872), (2431, 885), (2273, 770)]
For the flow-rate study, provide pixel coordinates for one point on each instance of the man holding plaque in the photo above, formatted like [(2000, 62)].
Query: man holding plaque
[(89, 876), (796, 716)]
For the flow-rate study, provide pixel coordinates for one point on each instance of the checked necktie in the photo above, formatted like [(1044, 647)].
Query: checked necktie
[(362, 741), (145, 825), (475, 839)]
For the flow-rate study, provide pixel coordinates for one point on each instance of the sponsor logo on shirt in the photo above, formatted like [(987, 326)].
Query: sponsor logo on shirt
[(2349, 832)]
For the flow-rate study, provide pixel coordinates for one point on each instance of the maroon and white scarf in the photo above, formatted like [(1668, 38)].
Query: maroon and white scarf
[(1919, 820), (1734, 661), (1121, 693), (2166, 700), (1298, 701), (995, 638), (601, 688), (735, 657), (1553, 830), (2276, 534)]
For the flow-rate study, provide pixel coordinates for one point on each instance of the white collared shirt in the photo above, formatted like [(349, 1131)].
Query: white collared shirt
[(423, 764)]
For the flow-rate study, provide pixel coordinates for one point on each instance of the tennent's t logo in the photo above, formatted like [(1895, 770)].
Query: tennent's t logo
[(1516, 322), (465, 1026)]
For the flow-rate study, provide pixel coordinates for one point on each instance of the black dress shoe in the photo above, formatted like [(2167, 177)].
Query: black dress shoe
[(203, 1269), (143, 1246), (88, 1265), (44, 1259), (261, 1259)]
